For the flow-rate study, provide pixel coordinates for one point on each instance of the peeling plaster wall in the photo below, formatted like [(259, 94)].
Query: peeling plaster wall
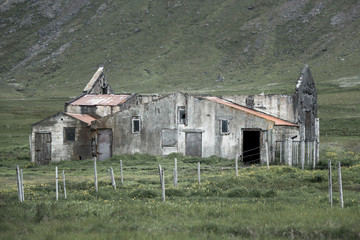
[(96, 111), (280, 106), (160, 117), (60, 149)]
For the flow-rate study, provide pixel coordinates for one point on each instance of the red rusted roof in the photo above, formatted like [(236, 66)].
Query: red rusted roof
[(100, 100), (276, 120), (82, 117)]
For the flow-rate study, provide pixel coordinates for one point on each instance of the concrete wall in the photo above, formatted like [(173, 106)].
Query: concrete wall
[(280, 106), (159, 118), (96, 111), (61, 149)]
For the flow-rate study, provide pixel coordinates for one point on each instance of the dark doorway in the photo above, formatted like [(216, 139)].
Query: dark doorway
[(251, 146), (193, 142)]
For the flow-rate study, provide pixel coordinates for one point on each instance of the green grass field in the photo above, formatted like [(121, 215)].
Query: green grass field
[(280, 203)]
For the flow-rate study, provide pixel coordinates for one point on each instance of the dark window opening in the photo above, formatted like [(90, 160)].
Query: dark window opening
[(104, 90), (251, 147), (224, 126), (136, 125), (70, 134), (181, 115)]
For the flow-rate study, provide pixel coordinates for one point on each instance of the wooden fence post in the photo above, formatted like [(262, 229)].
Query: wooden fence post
[(330, 184), (113, 183), (160, 175), (163, 185), (340, 187), (199, 173), (237, 165), (267, 155), (57, 183), (302, 154), (314, 157), (288, 152), (18, 180), (317, 136), (95, 176), (64, 184), (281, 152), (175, 173), (121, 173), (22, 186)]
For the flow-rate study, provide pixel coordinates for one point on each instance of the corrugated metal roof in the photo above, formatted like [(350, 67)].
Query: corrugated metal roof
[(276, 120), (82, 117), (90, 84), (101, 100)]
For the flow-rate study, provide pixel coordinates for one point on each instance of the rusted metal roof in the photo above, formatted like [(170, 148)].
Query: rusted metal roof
[(101, 100), (277, 121), (90, 84), (82, 117)]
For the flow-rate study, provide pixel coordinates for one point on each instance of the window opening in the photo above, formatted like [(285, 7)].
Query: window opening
[(181, 114), (136, 124), (70, 134), (224, 126)]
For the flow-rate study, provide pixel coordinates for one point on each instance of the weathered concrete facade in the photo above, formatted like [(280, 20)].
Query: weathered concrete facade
[(209, 128), (60, 137)]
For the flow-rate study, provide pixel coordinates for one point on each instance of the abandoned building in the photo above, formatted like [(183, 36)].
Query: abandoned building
[(100, 123)]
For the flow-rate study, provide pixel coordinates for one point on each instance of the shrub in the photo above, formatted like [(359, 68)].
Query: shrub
[(238, 192), (143, 193), (172, 192), (270, 193), (255, 193)]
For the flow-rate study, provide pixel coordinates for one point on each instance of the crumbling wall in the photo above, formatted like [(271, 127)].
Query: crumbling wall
[(306, 103), (280, 106)]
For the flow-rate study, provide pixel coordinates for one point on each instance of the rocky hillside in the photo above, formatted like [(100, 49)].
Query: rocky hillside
[(52, 48)]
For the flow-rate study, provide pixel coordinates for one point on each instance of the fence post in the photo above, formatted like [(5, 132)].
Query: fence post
[(113, 183), (314, 157), (288, 151), (199, 173), (64, 184), (267, 155), (18, 181), (163, 185), (237, 165), (317, 136), (121, 173), (95, 175), (57, 183), (340, 187), (302, 154), (175, 173), (22, 186), (330, 184), (160, 174), (281, 145)]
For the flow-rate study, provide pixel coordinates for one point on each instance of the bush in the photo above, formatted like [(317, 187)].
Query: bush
[(255, 193), (143, 193), (238, 192), (172, 192)]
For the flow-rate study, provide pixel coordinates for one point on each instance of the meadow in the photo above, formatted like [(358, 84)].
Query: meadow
[(280, 203)]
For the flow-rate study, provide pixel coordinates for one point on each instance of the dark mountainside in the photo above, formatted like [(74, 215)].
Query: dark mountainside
[(50, 49)]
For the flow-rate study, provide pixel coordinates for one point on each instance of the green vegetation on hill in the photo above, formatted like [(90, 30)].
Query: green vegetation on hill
[(50, 49)]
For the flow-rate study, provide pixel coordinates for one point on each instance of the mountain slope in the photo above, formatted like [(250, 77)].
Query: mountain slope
[(51, 48)]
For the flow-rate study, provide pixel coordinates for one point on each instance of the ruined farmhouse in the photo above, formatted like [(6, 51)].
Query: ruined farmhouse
[(100, 123)]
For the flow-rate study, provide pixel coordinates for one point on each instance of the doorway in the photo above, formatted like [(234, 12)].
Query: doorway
[(193, 142), (251, 146), (104, 141), (42, 148)]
